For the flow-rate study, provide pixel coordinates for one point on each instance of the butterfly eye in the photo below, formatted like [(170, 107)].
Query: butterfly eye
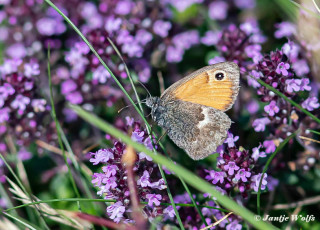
[(219, 75)]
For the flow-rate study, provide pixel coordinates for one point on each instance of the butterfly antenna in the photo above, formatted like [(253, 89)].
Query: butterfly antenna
[(142, 101), (145, 88), (119, 111)]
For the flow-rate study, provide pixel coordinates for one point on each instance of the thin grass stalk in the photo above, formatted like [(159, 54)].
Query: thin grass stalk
[(104, 201), (188, 176), (313, 131), (54, 115), (22, 221), (194, 202), (5, 195), (84, 177), (280, 147), (37, 212)]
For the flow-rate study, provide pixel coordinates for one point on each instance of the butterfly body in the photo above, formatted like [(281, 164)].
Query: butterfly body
[(192, 110)]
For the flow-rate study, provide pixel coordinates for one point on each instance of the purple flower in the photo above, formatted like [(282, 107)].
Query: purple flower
[(211, 38), (186, 39), (31, 69), (256, 154), (137, 136), (311, 103), (304, 84), (271, 109), (10, 66), (39, 105), (6, 90), (74, 97), (253, 50), (291, 50), (97, 179), (23, 154), (216, 176), (245, 4), (174, 54), (256, 181), (68, 86), (4, 115), (169, 211), (272, 183), (110, 170), (216, 59), (110, 182), (153, 199), (160, 184), (282, 68), (133, 49), (50, 26), (301, 67), (183, 5), (231, 140), (123, 7), (284, 29), (101, 156), (129, 121), (231, 167), (242, 174), (17, 51), (234, 225), (100, 75), (116, 211), (293, 85), (270, 146), (124, 37), (143, 37), (218, 10), (20, 102), (112, 24), (144, 180), (260, 124), (252, 106), (161, 28)]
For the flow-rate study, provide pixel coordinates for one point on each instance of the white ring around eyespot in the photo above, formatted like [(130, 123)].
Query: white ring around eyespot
[(219, 71)]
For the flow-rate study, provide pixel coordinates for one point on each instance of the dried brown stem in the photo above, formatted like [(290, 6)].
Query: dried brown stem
[(308, 201), (101, 221), (58, 151), (128, 159)]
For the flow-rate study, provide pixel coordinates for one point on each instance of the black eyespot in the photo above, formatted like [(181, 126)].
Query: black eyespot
[(219, 76)]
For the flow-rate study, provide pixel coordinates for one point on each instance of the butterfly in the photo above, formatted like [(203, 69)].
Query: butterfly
[(192, 110)]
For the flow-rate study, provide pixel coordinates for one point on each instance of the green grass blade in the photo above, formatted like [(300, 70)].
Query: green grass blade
[(267, 165), (54, 115), (185, 174), (313, 131)]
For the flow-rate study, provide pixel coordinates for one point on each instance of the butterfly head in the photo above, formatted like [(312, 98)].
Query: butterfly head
[(152, 102)]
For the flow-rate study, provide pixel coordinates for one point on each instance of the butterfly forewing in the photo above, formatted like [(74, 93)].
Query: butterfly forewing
[(204, 88)]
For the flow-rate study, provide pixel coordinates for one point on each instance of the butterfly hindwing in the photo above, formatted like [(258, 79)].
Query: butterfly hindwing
[(197, 129)]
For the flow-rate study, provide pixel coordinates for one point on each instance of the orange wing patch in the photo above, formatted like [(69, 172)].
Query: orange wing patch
[(204, 89)]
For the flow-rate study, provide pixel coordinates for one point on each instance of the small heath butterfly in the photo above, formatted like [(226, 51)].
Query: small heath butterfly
[(192, 109)]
